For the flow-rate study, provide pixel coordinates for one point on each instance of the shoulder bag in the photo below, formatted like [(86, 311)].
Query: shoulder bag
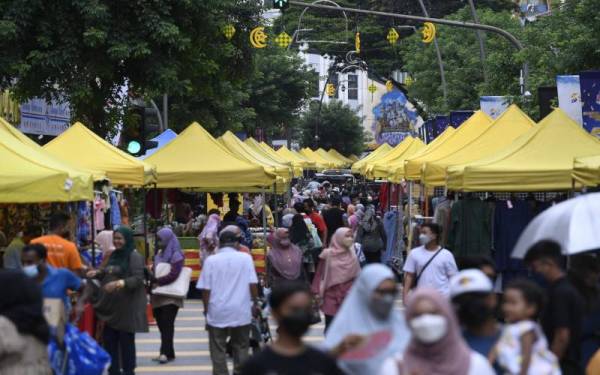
[(178, 288), (425, 267)]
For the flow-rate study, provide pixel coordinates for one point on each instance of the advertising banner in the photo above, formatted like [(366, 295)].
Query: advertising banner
[(590, 98), (569, 96), (493, 106), (39, 117), (395, 118), (458, 117)]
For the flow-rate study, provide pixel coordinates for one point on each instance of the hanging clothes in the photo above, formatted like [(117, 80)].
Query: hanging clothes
[(99, 207), (83, 223), (470, 228), (124, 212), (393, 231), (441, 216), (115, 211)]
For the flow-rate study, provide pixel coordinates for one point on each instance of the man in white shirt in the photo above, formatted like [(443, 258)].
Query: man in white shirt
[(229, 285), (429, 265)]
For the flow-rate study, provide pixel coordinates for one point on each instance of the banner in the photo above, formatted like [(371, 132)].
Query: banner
[(569, 96), (441, 123), (39, 117), (429, 131), (493, 106), (458, 117), (590, 98), (395, 118)]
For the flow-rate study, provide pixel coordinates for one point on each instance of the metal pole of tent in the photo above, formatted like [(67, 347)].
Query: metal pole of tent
[(410, 203), (276, 215), (93, 235), (264, 219), (144, 223), (156, 210), (399, 220)]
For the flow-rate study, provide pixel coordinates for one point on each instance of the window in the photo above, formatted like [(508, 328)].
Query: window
[(352, 87)]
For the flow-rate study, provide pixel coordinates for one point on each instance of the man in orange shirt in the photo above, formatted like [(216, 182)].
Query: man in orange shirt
[(61, 252)]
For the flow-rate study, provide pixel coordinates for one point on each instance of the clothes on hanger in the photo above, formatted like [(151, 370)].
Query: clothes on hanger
[(115, 211), (441, 216), (99, 209), (470, 227)]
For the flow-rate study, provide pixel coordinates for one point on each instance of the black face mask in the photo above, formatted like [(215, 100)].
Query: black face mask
[(296, 323)]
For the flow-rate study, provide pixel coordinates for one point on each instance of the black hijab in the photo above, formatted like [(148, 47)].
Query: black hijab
[(21, 302), (298, 231)]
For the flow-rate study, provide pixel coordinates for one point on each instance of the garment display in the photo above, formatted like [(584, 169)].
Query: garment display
[(99, 207), (470, 227), (115, 211), (393, 231), (441, 216), (83, 223)]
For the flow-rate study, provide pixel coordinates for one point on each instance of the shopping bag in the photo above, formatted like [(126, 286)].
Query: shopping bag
[(81, 355), (178, 288)]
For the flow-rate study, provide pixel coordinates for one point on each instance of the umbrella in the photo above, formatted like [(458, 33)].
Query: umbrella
[(574, 224)]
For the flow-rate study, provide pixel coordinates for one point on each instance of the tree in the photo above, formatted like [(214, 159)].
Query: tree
[(83, 51), (339, 128)]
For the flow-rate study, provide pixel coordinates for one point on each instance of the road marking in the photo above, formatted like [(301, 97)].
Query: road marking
[(179, 353), (165, 368), (204, 340)]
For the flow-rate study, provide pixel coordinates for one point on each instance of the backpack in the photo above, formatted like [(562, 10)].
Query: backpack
[(371, 241)]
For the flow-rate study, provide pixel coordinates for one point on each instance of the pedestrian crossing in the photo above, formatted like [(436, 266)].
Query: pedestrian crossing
[(191, 344)]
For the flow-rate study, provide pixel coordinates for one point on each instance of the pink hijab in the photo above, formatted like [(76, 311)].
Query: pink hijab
[(287, 260), (341, 264), (450, 355), (104, 239), (209, 237)]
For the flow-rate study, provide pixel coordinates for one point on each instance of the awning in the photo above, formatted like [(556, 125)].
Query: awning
[(379, 152), (385, 166)]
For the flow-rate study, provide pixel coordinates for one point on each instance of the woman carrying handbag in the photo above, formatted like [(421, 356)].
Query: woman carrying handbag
[(165, 307)]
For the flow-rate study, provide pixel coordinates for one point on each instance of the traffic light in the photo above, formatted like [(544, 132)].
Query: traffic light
[(140, 124), (281, 4)]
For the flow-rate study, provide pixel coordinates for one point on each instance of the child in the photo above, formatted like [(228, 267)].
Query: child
[(522, 348)]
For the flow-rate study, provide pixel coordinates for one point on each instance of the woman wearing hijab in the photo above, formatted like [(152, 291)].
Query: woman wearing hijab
[(338, 267), (369, 311), (371, 236), (284, 259), (301, 237), (121, 304), (436, 346), (209, 237), (165, 308), (244, 226), (355, 216), (24, 333), (104, 240)]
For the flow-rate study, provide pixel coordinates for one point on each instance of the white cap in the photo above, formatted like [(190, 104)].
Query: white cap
[(470, 281)]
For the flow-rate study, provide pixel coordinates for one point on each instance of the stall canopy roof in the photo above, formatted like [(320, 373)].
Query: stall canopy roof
[(339, 156), (539, 160), (295, 159), (468, 131), (327, 156), (235, 146), (28, 175), (196, 160), (82, 147), (502, 132), (162, 139), (318, 159), (377, 153), (267, 152), (353, 158), (586, 170), (397, 171), (382, 168)]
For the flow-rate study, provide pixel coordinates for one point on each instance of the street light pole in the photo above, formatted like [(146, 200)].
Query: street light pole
[(466, 25), (482, 54)]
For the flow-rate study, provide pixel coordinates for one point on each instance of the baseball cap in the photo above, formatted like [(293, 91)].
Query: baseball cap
[(470, 281)]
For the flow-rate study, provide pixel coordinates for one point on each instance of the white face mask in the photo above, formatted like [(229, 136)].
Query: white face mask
[(424, 239), (429, 328), (348, 242)]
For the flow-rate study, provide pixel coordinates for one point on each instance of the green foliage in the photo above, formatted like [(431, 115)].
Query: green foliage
[(82, 51), (339, 128)]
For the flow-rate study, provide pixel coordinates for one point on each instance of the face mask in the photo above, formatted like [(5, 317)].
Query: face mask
[(429, 328), (424, 239), (31, 270), (297, 323), (381, 306), (348, 242)]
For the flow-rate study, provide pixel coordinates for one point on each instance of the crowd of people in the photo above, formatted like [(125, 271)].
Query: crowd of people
[(324, 260)]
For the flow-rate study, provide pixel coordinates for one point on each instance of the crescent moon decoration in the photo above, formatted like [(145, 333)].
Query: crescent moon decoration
[(428, 32), (258, 38), (389, 85)]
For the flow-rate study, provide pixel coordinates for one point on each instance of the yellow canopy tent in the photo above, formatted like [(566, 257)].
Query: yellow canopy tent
[(267, 152), (467, 132), (539, 160), (396, 172), (318, 159), (327, 156), (57, 162), (334, 153), (382, 168), (377, 153), (397, 150), (196, 160), (353, 158), (501, 133), (586, 170), (295, 159), (83, 148), (29, 175), (272, 154)]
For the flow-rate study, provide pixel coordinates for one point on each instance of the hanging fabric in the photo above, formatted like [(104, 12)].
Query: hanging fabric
[(115, 211), (470, 227)]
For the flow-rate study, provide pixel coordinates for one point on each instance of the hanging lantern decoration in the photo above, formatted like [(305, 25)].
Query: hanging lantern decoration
[(393, 36), (372, 89), (428, 32), (357, 42), (330, 89), (408, 81), (258, 38), (389, 85), (283, 40), (229, 31)]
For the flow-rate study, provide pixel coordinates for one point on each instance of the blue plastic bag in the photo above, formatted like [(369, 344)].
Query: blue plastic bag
[(81, 354)]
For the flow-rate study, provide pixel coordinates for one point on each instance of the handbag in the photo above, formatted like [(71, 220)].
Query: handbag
[(178, 288), (317, 243)]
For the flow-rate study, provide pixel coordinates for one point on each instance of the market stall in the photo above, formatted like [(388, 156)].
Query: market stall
[(381, 167), (334, 153), (297, 161), (377, 153), (586, 170), (320, 160), (337, 163)]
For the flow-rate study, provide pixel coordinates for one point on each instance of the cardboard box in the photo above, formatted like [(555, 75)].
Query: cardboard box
[(54, 312)]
